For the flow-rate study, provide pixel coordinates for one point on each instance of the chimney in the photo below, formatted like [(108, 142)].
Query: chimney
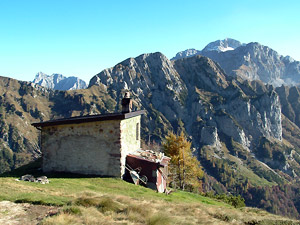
[(126, 103)]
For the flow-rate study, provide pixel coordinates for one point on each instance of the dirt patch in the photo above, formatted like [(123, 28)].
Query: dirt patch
[(24, 213)]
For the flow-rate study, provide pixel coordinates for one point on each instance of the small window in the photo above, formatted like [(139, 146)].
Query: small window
[(137, 131)]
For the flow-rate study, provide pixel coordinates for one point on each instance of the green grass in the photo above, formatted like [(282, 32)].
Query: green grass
[(111, 201), (63, 188), (60, 191), (96, 200), (243, 171)]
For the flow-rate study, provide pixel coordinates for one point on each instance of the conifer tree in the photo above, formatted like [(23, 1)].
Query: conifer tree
[(185, 169)]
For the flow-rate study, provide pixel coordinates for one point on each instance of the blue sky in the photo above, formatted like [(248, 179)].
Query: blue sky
[(81, 38)]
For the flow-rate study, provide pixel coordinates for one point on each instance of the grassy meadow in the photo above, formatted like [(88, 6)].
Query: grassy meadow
[(113, 201)]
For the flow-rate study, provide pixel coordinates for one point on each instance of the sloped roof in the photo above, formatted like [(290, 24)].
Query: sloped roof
[(89, 118), (151, 156)]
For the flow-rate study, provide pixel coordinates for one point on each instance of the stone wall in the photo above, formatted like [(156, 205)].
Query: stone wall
[(87, 148), (130, 138)]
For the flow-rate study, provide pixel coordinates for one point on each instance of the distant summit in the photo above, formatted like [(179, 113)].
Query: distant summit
[(59, 82), (251, 61), (187, 53), (219, 46), (227, 44)]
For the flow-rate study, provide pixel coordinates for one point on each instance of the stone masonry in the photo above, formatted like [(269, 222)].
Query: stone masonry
[(92, 147)]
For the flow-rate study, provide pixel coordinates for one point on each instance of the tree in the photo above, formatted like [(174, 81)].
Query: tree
[(185, 169)]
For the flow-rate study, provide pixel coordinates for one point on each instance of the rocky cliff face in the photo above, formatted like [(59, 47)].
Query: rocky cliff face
[(252, 61), (290, 101), (196, 92), (59, 82), (235, 109)]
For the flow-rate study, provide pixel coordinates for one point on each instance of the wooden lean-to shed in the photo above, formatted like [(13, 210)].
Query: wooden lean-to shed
[(150, 166)]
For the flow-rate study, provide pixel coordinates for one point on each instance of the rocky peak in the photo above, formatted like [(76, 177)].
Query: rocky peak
[(255, 62), (187, 53), (153, 70), (287, 59), (59, 82), (219, 46), (227, 44), (148, 75), (251, 61)]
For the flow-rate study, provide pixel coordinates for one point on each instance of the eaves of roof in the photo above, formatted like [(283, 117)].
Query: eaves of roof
[(89, 118)]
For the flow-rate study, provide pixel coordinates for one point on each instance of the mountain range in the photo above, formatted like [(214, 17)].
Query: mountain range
[(251, 61), (244, 132), (59, 82)]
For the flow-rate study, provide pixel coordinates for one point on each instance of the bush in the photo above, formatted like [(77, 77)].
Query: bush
[(235, 201)]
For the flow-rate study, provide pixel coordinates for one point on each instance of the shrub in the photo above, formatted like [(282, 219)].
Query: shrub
[(235, 201)]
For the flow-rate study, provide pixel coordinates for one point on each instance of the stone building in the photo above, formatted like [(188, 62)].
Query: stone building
[(104, 145), (93, 144)]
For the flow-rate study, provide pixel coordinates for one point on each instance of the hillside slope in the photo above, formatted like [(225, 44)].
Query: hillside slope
[(111, 201)]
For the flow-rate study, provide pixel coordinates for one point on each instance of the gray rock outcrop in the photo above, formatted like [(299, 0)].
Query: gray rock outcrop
[(209, 136)]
